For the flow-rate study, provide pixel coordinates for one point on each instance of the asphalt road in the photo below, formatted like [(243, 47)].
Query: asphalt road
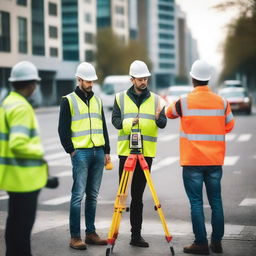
[(238, 183)]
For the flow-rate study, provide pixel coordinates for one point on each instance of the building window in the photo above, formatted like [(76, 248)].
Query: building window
[(22, 2), (165, 17), (52, 7), (166, 56), (165, 26), (53, 52), (166, 65), (88, 18), (89, 55), (119, 10), (23, 42), (5, 40), (53, 32), (89, 38), (166, 46), (120, 24), (166, 36)]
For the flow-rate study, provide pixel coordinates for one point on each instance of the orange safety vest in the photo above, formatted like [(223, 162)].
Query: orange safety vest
[(206, 118)]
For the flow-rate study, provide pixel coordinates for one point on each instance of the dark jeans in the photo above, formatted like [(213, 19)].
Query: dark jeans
[(137, 189), (193, 178), (88, 164), (20, 220)]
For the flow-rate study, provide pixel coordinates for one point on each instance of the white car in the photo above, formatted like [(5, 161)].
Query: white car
[(111, 86), (174, 92)]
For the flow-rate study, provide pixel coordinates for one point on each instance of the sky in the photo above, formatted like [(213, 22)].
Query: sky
[(208, 27)]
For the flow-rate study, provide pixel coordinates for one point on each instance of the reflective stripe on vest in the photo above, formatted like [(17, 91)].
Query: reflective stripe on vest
[(86, 127), (202, 137), (147, 124)]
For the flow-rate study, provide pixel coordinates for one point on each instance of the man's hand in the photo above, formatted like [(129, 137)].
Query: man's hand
[(135, 121), (73, 153), (107, 159)]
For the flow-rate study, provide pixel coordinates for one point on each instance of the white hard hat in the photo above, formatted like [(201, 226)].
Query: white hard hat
[(139, 69), (201, 70), (86, 71), (24, 71)]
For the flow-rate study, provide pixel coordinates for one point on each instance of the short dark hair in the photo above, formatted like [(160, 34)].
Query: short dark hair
[(22, 84), (198, 83)]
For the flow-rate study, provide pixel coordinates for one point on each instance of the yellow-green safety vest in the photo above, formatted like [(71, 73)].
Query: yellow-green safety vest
[(147, 123), (86, 124), (22, 168)]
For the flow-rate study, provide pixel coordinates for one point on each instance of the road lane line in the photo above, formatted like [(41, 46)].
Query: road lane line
[(164, 162), (248, 202), (244, 137), (168, 137), (230, 137), (231, 160), (57, 201)]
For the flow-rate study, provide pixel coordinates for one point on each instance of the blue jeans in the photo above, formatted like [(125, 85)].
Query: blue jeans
[(88, 166), (193, 178)]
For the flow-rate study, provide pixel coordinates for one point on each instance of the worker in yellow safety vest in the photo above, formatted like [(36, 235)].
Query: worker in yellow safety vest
[(23, 172), (205, 118), (140, 109), (83, 134)]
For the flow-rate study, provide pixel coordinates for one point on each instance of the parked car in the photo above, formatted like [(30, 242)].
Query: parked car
[(111, 86), (239, 99), (233, 83), (174, 92)]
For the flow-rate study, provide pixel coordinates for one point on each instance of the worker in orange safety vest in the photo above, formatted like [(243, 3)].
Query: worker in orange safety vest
[(205, 118)]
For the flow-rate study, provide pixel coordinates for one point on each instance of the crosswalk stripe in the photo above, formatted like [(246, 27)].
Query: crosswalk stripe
[(164, 162), (248, 202), (230, 160), (53, 147), (56, 201), (168, 137), (244, 137), (56, 156), (230, 137), (51, 140), (64, 174)]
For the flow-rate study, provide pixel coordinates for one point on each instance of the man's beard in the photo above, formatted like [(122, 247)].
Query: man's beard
[(141, 89)]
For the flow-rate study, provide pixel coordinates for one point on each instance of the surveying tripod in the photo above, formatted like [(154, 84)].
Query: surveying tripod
[(122, 193)]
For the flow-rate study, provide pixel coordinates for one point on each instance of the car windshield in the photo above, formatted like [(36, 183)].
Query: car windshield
[(234, 94), (177, 93), (108, 89)]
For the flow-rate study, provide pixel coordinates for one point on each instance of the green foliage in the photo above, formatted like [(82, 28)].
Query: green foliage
[(240, 43), (114, 57)]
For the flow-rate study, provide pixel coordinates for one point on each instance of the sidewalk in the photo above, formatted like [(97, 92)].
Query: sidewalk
[(54, 242)]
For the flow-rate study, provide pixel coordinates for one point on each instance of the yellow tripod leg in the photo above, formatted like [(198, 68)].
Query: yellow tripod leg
[(158, 206), (120, 202)]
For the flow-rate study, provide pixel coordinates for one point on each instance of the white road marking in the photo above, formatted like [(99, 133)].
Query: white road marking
[(168, 137), (64, 174), (231, 160), (164, 162), (113, 136), (57, 201), (56, 146), (56, 156), (230, 137), (238, 172), (4, 197), (244, 137), (51, 140), (248, 202)]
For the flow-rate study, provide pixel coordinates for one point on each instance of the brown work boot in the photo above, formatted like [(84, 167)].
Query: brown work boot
[(77, 243), (216, 247), (93, 238), (197, 249)]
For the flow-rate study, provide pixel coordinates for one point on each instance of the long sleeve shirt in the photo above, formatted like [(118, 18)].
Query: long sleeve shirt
[(65, 119)]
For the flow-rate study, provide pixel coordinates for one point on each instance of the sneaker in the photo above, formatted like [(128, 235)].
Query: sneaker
[(216, 247), (139, 241), (77, 243), (197, 249), (93, 238)]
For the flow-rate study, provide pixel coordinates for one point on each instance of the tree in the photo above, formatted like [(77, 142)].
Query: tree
[(240, 44), (114, 57)]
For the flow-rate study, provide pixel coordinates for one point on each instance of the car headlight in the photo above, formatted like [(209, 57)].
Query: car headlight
[(246, 100)]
